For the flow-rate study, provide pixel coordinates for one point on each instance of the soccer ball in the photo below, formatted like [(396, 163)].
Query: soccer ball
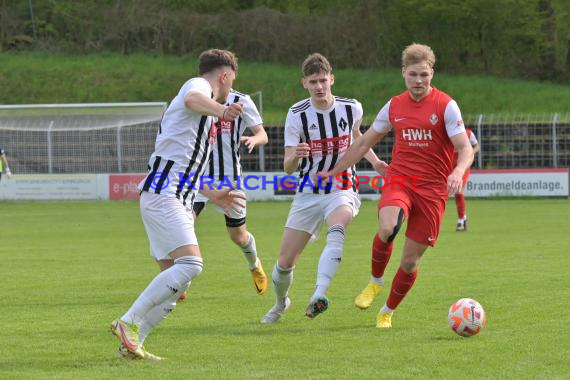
[(466, 317)]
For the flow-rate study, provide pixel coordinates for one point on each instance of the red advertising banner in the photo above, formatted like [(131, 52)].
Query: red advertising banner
[(124, 186)]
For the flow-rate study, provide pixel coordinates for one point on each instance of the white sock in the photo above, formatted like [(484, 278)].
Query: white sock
[(250, 252), (282, 279), (330, 259), (163, 287), (386, 309), (156, 315), (377, 281)]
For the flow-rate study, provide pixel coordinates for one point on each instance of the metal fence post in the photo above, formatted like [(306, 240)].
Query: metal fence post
[(480, 139), (50, 160), (119, 153), (554, 141)]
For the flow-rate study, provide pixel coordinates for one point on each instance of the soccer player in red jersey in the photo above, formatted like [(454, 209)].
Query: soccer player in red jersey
[(460, 196), (428, 129)]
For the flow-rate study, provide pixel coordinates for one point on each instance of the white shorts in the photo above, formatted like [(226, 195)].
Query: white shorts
[(231, 214), (309, 211), (168, 223)]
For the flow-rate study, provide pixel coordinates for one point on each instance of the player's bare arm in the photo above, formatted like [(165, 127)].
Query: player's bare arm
[(464, 161), (259, 138), (476, 149), (292, 156), (378, 165), (203, 105)]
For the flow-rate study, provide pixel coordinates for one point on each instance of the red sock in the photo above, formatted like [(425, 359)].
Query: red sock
[(401, 285), (460, 202), (381, 253)]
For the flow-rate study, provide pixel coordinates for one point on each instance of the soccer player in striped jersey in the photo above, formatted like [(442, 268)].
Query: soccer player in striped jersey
[(318, 131), (460, 196), (224, 168), (428, 128), (183, 143)]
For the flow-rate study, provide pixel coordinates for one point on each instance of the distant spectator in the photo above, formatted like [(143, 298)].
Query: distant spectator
[(4, 168), (459, 196)]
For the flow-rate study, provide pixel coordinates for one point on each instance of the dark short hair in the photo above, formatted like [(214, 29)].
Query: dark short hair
[(211, 59), (316, 63)]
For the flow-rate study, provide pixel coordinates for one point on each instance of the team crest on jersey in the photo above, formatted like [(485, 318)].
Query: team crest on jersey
[(342, 124), (433, 119)]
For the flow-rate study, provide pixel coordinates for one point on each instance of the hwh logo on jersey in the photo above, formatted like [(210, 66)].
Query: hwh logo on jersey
[(416, 134)]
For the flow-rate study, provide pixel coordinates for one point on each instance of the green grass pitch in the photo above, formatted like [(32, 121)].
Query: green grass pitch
[(69, 268)]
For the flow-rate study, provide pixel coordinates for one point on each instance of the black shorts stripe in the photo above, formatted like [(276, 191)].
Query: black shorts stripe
[(164, 176), (150, 176)]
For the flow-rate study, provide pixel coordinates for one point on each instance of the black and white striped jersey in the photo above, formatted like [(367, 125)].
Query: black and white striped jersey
[(224, 160), (328, 133), (182, 147)]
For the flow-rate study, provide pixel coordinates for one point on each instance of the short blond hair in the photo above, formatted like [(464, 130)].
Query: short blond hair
[(316, 63), (417, 53)]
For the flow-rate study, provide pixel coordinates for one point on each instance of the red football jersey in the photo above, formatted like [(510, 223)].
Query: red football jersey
[(422, 131)]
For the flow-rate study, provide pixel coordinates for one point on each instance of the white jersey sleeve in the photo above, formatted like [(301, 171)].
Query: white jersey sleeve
[(453, 121), (199, 85), (473, 139), (381, 123), (250, 114), (292, 130), (358, 114)]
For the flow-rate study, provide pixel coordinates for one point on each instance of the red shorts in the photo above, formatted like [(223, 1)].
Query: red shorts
[(466, 177), (424, 211)]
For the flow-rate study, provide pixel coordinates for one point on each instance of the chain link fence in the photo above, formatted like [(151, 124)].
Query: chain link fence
[(88, 141)]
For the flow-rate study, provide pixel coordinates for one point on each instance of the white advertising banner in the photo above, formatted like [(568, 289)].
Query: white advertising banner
[(273, 185), (518, 182), (54, 187)]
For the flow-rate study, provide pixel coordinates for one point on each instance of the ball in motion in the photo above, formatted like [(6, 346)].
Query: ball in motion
[(466, 317)]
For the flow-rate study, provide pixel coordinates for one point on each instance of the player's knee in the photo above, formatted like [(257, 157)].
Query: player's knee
[(409, 265), (240, 238), (389, 231), (190, 267)]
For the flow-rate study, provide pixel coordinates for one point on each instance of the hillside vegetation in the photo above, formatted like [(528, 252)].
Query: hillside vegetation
[(40, 78)]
